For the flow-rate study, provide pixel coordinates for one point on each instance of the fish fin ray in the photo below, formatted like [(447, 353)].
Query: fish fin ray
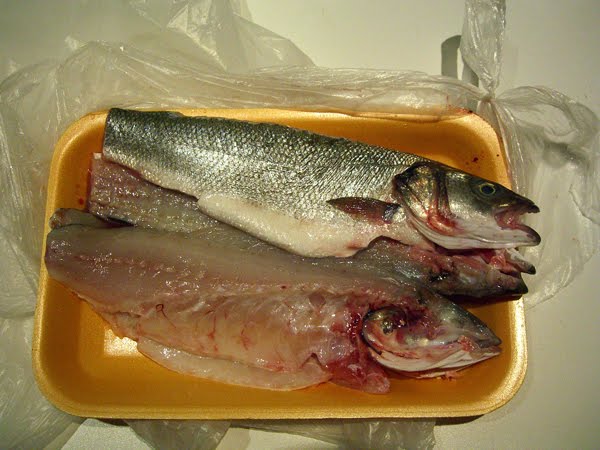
[(366, 208)]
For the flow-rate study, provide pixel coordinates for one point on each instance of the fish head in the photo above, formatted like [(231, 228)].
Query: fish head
[(457, 210), (436, 338)]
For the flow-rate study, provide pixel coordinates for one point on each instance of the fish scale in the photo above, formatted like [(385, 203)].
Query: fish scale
[(279, 172), (212, 154)]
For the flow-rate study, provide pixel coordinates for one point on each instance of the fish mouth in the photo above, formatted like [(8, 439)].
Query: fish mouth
[(487, 274), (506, 260), (445, 362), (509, 218)]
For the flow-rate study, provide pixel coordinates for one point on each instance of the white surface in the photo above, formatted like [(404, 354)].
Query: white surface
[(547, 43)]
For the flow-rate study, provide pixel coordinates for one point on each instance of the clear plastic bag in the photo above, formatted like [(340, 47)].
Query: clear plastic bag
[(379, 434), (552, 138), (207, 54), (28, 419), (547, 137), (179, 434)]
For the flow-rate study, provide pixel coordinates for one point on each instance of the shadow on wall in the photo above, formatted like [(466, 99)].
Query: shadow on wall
[(450, 61)]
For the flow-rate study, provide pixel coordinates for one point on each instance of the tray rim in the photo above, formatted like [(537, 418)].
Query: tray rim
[(507, 390)]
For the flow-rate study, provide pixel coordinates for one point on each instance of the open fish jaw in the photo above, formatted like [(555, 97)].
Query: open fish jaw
[(471, 274), (434, 364)]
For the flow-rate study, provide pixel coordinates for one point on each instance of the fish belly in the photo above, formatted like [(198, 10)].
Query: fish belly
[(233, 372)]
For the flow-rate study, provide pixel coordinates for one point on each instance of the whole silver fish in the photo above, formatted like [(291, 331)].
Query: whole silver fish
[(267, 319), (118, 193), (311, 194)]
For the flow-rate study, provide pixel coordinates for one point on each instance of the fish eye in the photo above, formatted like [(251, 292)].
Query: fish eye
[(487, 189), (387, 326)]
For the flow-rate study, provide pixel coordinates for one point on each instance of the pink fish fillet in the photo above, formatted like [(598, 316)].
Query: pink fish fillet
[(205, 308)]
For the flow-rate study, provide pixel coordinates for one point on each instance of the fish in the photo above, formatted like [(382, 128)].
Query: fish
[(206, 308), (311, 194), (118, 193)]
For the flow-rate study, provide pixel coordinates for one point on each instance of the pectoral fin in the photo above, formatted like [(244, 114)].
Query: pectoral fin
[(365, 208)]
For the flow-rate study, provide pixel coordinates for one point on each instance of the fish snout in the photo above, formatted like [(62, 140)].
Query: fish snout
[(510, 218)]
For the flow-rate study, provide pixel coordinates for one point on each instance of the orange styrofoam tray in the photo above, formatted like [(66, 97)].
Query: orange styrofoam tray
[(84, 369)]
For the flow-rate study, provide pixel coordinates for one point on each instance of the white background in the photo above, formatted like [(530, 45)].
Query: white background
[(551, 43)]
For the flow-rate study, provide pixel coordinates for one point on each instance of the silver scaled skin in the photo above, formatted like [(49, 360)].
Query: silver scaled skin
[(310, 194)]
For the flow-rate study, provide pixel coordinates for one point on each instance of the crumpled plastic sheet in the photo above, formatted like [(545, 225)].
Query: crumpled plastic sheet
[(381, 434), (27, 420), (180, 434), (207, 53)]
